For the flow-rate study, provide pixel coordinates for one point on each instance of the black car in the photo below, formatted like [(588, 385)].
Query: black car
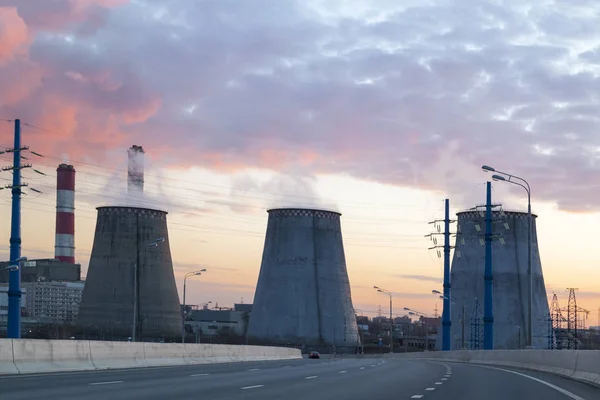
[(314, 354)]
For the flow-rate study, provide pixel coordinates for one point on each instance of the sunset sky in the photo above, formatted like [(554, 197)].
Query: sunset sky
[(379, 109)]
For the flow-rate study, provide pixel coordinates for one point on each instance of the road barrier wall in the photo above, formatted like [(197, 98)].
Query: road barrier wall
[(22, 356), (582, 365)]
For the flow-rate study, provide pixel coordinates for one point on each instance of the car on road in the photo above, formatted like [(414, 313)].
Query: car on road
[(314, 354)]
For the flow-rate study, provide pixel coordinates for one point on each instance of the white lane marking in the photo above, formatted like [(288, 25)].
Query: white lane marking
[(373, 365), (558, 389), (287, 366), (439, 383), (444, 379), (362, 367), (430, 389), (342, 372), (252, 387), (417, 396), (106, 383), (254, 369), (199, 374), (311, 377)]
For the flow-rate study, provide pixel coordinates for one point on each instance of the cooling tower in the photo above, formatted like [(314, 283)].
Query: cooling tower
[(303, 293), (125, 238), (64, 247), (511, 284), (135, 169)]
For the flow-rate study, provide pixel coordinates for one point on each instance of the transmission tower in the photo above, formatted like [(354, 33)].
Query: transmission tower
[(572, 319), (556, 320), (476, 328)]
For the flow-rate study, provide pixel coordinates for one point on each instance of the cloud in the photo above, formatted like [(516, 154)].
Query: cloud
[(419, 94), (422, 278), (13, 31)]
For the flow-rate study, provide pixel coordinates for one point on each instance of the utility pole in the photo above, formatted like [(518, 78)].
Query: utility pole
[(446, 312), (488, 308), (14, 288)]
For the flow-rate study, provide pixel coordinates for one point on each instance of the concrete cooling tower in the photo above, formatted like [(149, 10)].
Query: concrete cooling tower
[(125, 238), (303, 293), (511, 287)]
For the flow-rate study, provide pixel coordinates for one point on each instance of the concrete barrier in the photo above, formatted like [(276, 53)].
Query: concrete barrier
[(581, 365), (7, 363), (21, 356), (108, 355), (32, 356)]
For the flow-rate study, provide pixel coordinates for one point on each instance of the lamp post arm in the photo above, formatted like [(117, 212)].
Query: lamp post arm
[(511, 177)]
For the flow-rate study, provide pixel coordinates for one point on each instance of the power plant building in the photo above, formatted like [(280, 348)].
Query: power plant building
[(510, 282), (303, 293), (126, 256)]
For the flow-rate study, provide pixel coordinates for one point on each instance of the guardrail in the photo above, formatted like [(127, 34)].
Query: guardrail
[(32, 356), (581, 365)]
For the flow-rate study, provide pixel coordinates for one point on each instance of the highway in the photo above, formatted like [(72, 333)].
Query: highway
[(347, 378)]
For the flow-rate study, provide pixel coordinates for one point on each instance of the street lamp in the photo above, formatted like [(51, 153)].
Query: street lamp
[(413, 312), (10, 268), (183, 308), (505, 177), (391, 318), (136, 289)]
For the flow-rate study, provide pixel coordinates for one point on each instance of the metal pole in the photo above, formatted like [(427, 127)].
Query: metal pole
[(183, 313), (426, 338), (446, 322), (391, 327), (463, 328), (135, 302), (488, 314), (530, 275), (14, 288)]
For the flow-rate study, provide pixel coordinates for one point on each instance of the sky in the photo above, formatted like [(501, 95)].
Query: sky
[(379, 109)]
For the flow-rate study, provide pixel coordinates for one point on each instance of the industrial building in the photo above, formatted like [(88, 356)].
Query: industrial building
[(44, 270), (303, 292), (213, 322), (53, 301), (510, 282), (130, 276)]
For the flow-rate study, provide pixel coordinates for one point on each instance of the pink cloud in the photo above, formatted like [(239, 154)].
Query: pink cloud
[(14, 34)]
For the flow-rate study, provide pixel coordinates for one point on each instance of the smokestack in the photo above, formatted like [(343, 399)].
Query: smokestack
[(64, 248), (135, 169), (303, 292)]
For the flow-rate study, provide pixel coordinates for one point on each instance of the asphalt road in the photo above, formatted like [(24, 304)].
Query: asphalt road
[(349, 378)]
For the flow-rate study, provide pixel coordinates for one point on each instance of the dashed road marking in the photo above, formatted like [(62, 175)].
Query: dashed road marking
[(199, 374), (311, 377), (362, 367), (444, 379), (252, 387), (439, 383), (106, 383), (417, 396), (254, 369), (430, 389)]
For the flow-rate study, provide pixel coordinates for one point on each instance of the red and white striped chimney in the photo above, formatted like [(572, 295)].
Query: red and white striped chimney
[(64, 248)]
